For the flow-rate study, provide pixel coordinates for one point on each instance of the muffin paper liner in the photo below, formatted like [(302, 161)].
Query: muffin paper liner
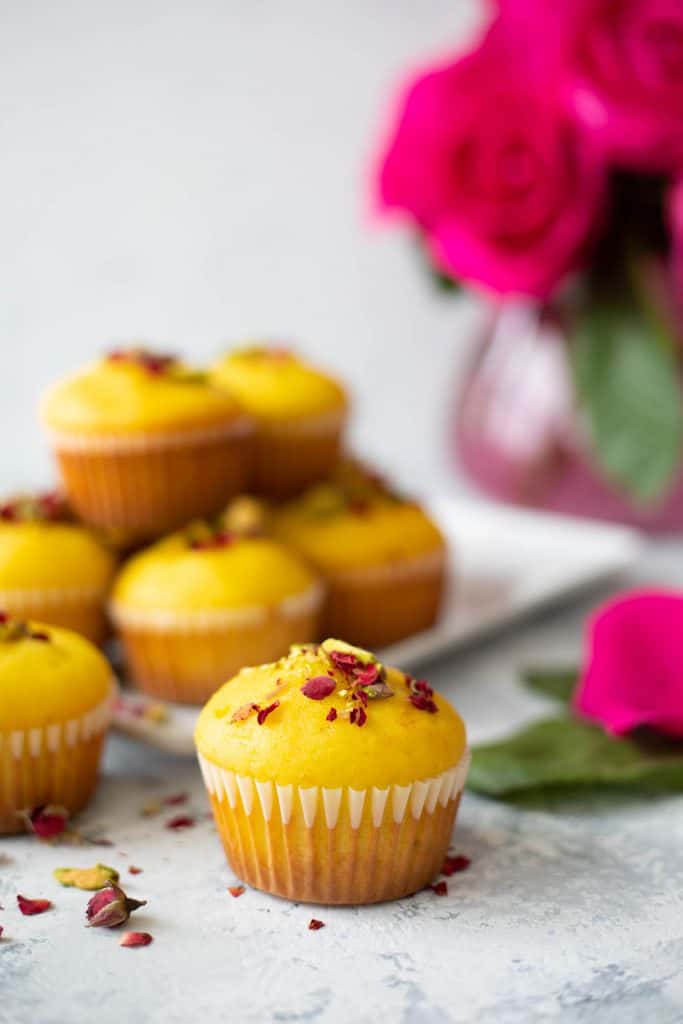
[(291, 455), (150, 483), (375, 606), (52, 764), (82, 609), (335, 845), (185, 657)]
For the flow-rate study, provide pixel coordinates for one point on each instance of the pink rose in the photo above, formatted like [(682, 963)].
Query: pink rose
[(504, 184), (634, 671), (624, 66)]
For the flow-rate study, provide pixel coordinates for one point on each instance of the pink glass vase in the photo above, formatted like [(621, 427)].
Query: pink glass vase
[(518, 434)]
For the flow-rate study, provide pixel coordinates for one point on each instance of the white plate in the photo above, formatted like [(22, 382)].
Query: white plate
[(506, 563)]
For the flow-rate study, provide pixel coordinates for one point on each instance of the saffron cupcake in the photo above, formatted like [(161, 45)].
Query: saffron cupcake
[(299, 416), (56, 696), (144, 444), (194, 608), (332, 778), (382, 558), (52, 568)]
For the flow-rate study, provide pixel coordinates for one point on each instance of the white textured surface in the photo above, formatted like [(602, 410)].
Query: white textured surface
[(571, 914)]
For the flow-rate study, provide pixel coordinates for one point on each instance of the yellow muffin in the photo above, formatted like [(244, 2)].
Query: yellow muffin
[(382, 558), (144, 444), (332, 778), (197, 606), (56, 695), (299, 415), (52, 568)]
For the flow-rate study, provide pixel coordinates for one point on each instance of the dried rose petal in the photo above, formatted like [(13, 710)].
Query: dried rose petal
[(264, 712), (422, 703), (345, 662), (48, 820), (318, 687), (134, 870), (236, 890), (110, 907), (176, 798), (439, 888), (314, 925), (453, 864), (331, 715), (135, 939), (368, 675), (180, 821), (1, 931), (30, 907)]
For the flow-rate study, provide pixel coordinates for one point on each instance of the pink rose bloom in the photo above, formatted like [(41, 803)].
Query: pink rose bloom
[(634, 671), (624, 63), (504, 184)]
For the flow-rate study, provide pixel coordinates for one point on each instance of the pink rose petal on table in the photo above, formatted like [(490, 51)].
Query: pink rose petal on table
[(634, 670), (29, 907)]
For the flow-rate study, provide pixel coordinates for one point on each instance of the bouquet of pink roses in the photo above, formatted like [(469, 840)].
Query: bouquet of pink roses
[(547, 162)]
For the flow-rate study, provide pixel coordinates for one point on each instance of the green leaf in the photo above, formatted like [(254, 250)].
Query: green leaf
[(567, 754), (558, 683), (440, 280), (627, 380)]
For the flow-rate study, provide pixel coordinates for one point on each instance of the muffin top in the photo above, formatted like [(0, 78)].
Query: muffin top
[(134, 390), (272, 384), (47, 675), (207, 566), (330, 715), (354, 521), (41, 547)]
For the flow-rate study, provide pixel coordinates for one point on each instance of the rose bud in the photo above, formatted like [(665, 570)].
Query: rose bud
[(110, 907)]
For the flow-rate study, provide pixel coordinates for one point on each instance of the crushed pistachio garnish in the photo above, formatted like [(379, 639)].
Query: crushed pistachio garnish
[(88, 879), (13, 630)]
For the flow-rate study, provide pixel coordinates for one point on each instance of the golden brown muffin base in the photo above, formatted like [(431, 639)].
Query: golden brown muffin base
[(187, 665), (150, 490), (339, 865), (379, 610)]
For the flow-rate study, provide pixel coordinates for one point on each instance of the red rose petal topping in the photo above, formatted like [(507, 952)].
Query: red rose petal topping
[(264, 712), (135, 939), (176, 798), (180, 821), (422, 703), (345, 662), (368, 675), (236, 890), (318, 687), (134, 870), (48, 822), (314, 925), (439, 888), (331, 715), (4, 617), (358, 716), (452, 865), (30, 907)]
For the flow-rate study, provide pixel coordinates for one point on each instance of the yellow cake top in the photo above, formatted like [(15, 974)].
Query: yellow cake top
[(133, 390), (272, 384), (47, 675), (40, 548), (206, 567), (335, 529), (330, 715)]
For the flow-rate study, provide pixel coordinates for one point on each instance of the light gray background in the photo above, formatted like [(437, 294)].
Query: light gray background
[(193, 173)]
